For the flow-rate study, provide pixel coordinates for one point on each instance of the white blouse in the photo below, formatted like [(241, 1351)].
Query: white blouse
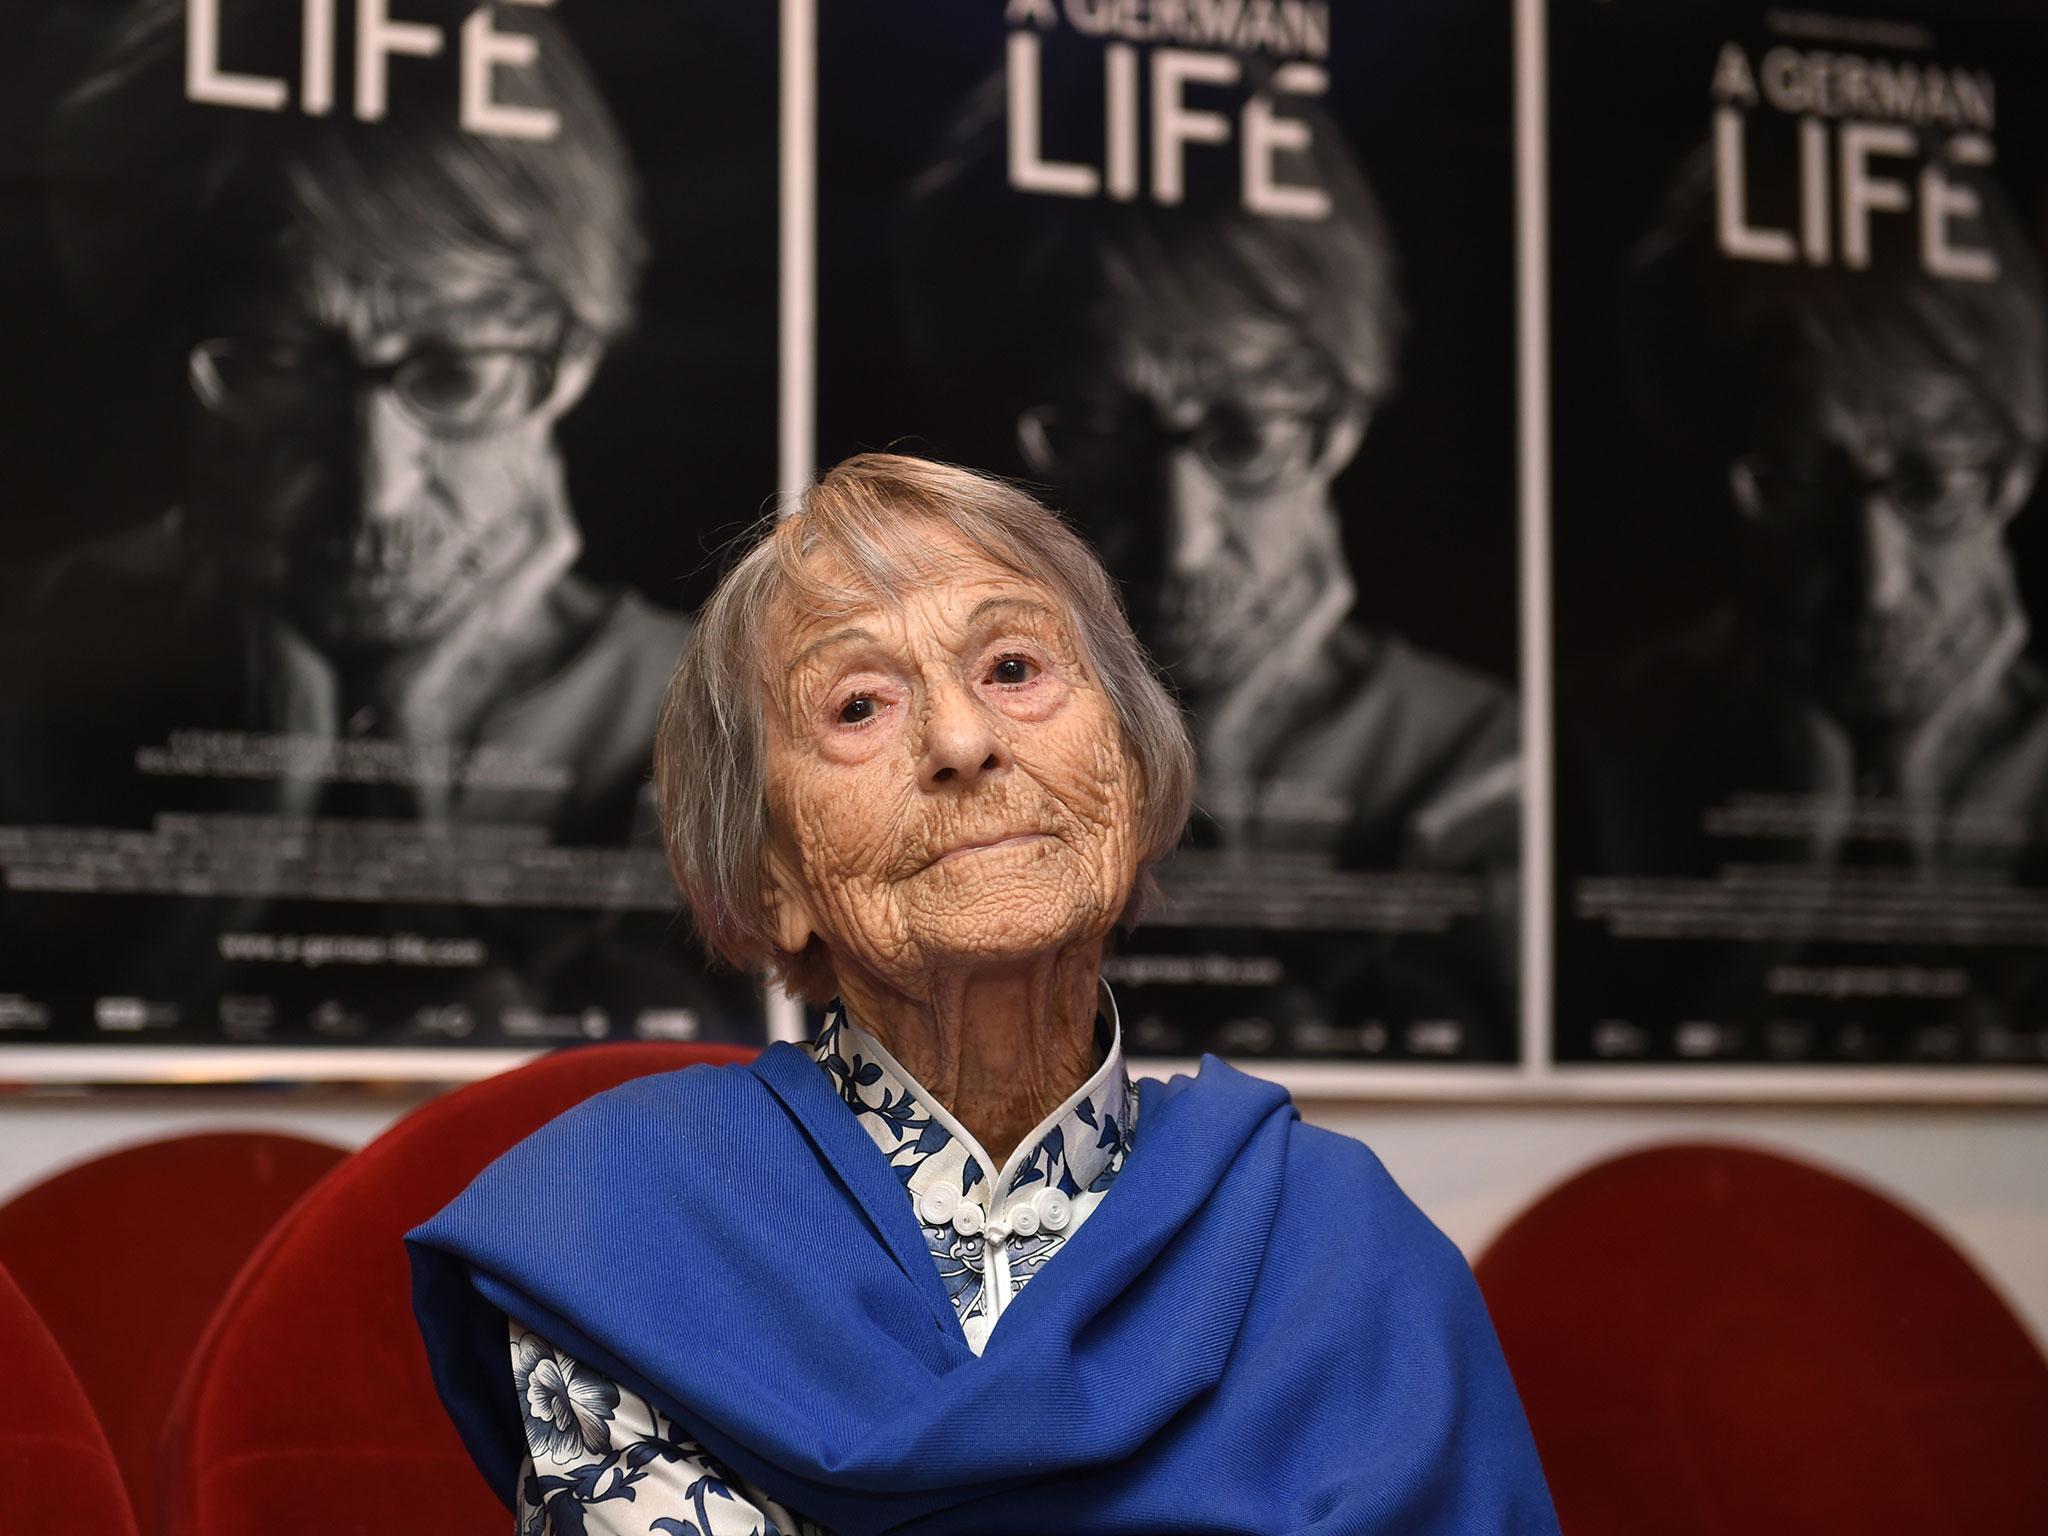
[(604, 1462)]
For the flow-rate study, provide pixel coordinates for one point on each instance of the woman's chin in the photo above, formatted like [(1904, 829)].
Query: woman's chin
[(1021, 936)]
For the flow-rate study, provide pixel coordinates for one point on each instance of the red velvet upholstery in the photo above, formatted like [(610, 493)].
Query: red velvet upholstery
[(178, 1218), (309, 1407), (57, 1473), (1713, 1339)]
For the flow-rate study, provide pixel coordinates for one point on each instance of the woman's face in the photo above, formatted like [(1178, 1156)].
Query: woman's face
[(947, 785)]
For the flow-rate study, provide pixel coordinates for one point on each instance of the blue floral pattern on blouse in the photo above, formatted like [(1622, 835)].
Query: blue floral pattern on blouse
[(985, 1259), (604, 1462), (568, 1407)]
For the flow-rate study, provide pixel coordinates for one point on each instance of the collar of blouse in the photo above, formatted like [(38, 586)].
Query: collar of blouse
[(989, 1231)]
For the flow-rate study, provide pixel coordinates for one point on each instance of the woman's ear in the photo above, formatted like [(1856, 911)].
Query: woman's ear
[(786, 897)]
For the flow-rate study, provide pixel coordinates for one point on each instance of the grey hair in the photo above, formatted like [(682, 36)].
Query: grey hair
[(871, 517)]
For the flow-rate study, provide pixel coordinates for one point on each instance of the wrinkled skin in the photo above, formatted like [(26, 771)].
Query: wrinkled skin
[(952, 816)]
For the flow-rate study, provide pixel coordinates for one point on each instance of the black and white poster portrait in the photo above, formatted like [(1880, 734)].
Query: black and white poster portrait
[(383, 375), (1232, 287), (1801, 391)]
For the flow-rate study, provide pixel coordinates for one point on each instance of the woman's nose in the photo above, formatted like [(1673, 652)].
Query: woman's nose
[(960, 740)]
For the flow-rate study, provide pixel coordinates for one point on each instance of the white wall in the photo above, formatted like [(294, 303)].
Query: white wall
[(1978, 1174)]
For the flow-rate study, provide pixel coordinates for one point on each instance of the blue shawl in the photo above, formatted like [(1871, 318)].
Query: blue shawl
[(1256, 1332)]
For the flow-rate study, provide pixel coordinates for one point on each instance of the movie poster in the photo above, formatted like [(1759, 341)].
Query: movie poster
[(1801, 392), (387, 376), (1231, 285)]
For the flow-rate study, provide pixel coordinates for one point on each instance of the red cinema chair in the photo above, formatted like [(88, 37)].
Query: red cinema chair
[(1712, 1339), (309, 1406), (57, 1473), (126, 1257)]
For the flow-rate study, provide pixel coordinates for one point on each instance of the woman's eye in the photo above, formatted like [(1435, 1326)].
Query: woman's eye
[(1014, 670), (857, 710)]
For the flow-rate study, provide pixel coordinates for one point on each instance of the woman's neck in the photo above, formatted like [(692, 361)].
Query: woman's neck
[(1001, 1048)]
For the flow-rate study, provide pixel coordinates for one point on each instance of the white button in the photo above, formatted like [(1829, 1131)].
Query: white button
[(1055, 1210), (967, 1218), (935, 1205), (1024, 1218)]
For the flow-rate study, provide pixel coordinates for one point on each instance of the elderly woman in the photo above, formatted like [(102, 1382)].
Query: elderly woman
[(950, 1269)]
